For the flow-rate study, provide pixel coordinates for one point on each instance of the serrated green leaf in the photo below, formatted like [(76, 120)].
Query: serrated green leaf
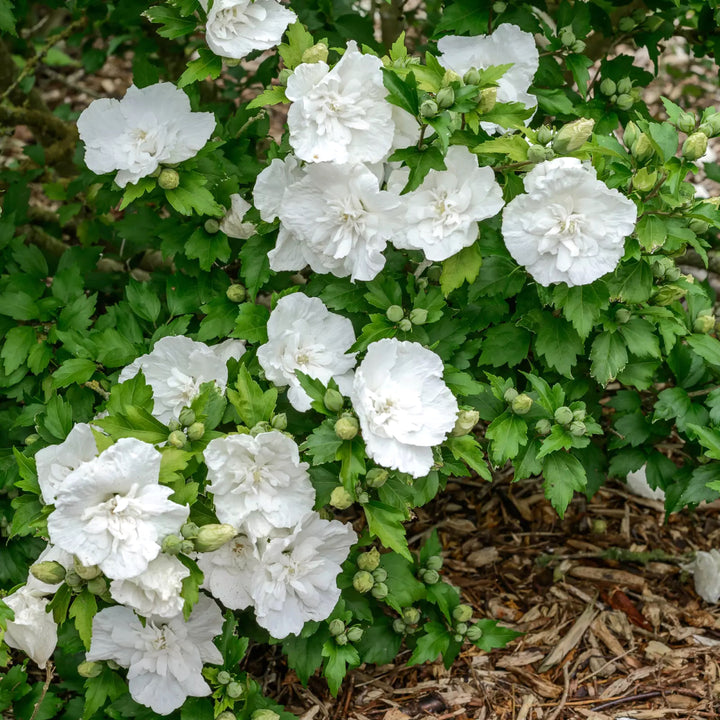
[(460, 268), (76, 370), (558, 343), (608, 355), (252, 403), (208, 65), (386, 523), (563, 475), (299, 40), (251, 323), (494, 635), (434, 641), (18, 343), (581, 304), (339, 657), (83, 611), (508, 432), (269, 96)]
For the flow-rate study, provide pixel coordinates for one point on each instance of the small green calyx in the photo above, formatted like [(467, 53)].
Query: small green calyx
[(608, 87), (405, 325), (211, 226), (543, 426), (536, 154), (399, 626), (418, 316), (369, 560), (435, 562), (474, 633), (363, 581), (642, 149), (187, 416), (214, 536), (622, 316), (97, 586), (472, 76), (686, 122), (380, 574), (190, 530), (510, 394), (336, 626), (235, 690), (168, 179), (577, 428), (430, 577), (236, 293), (224, 677), (279, 421), (354, 634), (172, 545), (394, 313), (445, 97), (48, 571), (545, 134), (429, 108), (379, 591)]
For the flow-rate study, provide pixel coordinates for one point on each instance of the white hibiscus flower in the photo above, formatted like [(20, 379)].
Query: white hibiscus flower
[(403, 405), (304, 335), (569, 226), (34, 631), (340, 115), (112, 512), (148, 127), (638, 485), (164, 657), (232, 223), (706, 571)]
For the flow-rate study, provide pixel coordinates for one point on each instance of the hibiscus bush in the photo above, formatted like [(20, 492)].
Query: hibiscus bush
[(317, 260)]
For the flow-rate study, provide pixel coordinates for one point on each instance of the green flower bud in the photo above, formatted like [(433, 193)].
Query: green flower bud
[(577, 429), (521, 404), (487, 100), (431, 577), (354, 634), (235, 690), (340, 498), (177, 439), (578, 46), (376, 477), (499, 7), (661, 266), (317, 53), (644, 180), (363, 581), (394, 313), (236, 293), (405, 325), (284, 76), (543, 426), (399, 626), (341, 639), (544, 134), (695, 146), (171, 544), (380, 574), (563, 415), (369, 560), (622, 316), (226, 715), (89, 669), (262, 427), (434, 562), (461, 628), (573, 136), (418, 316), (465, 422), (450, 76), (510, 394), (706, 129), (196, 431), (714, 122), (462, 613), (699, 227), (624, 101), (667, 295), (428, 108), (411, 616), (32, 438), (445, 97), (536, 154), (174, 425), (673, 274), (608, 87), (624, 85), (168, 179), (97, 586), (686, 122), (379, 591), (72, 579), (472, 76), (190, 530), (458, 637), (211, 226), (224, 677), (626, 24), (549, 153), (333, 400), (704, 324), (598, 526), (346, 428), (214, 536), (279, 421), (631, 134), (86, 572), (363, 498), (567, 36), (579, 414), (112, 664), (48, 571), (474, 633), (336, 626), (187, 416)]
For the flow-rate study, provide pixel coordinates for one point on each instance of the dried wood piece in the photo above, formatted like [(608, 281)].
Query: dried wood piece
[(570, 640), (608, 575), (542, 687)]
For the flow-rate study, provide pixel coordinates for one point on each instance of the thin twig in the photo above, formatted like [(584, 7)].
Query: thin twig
[(626, 699), (49, 670), (566, 691)]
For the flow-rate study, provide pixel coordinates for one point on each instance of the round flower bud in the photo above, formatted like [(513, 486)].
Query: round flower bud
[(445, 97), (472, 76), (168, 179), (543, 426), (608, 87), (211, 226), (549, 153), (377, 477), (458, 637), (428, 108), (673, 273), (224, 677), (450, 76), (573, 136), (487, 99), (462, 613), (333, 400), (699, 227), (336, 626), (236, 293), (214, 536), (363, 498), (32, 438), (379, 591), (474, 633), (171, 544), (354, 634), (190, 530), (704, 324), (226, 714), (72, 579), (431, 577), (174, 425), (418, 316), (622, 316), (89, 669), (578, 46), (466, 421), (626, 24), (235, 690), (461, 628), (579, 414), (661, 266), (187, 416), (48, 571), (521, 404), (536, 154), (714, 122), (631, 134), (340, 498), (86, 572), (369, 560), (510, 394), (97, 586), (624, 85), (644, 180), (411, 616), (686, 122), (567, 36), (177, 439), (341, 639), (598, 526), (112, 665), (544, 134), (624, 101), (499, 7), (284, 76), (279, 421), (196, 431), (577, 428), (317, 53), (394, 313), (346, 428), (695, 146), (405, 325), (563, 415), (380, 574), (262, 427), (399, 626), (434, 562)]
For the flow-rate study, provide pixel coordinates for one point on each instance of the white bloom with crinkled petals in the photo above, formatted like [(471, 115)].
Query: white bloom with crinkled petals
[(259, 483), (304, 335), (706, 571), (569, 226), (232, 223), (156, 591), (297, 581), (112, 511), (235, 28), (148, 127), (34, 631), (403, 404), (164, 657), (340, 115), (441, 216), (638, 485)]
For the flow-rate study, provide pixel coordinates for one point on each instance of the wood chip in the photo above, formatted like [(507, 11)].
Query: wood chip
[(608, 575), (526, 657), (483, 557), (542, 686), (570, 640)]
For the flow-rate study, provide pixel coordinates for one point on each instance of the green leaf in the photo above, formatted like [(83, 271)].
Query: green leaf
[(72, 371), (83, 611), (190, 584), (323, 443), (579, 66), (707, 347), (554, 101), (98, 689), (460, 268), (251, 323), (548, 398), (403, 93), (78, 314), (665, 139), (207, 248), (558, 343), (608, 355), (7, 19), (404, 589), (498, 276), (494, 635), (252, 403), (563, 474), (191, 196), (632, 282), (709, 438), (136, 190), (379, 644), (173, 25), (420, 163), (299, 40), (434, 641), (18, 343), (305, 653), (467, 449), (386, 523), (508, 432), (641, 339), (338, 658), (143, 300), (269, 96), (581, 304), (208, 65), (255, 266), (515, 147), (651, 232)]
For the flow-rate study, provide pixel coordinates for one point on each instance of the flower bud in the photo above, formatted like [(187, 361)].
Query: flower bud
[(434, 562), (235, 690), (72, 579), (112, 665), (536, 154), (89, 669), (642, 149), (284, 76), (578, 46), (369, 560), (462, 613), (32, 438), (624, 85), (341, 639), (226, 714), (461, 628), (466, 421), (487, 99), (187, 416), (340, 498), (672, 274), (411, 616), (573, 136), (699, 227), (608, 87), (224, 677), (695, 146), (580, 414), (644, 180), (418, 316), (214, 536), (472, 76), (354, 634), (624, 101), (499, 7), (543, 426), (177, 439), (598, 526), (563, 415), (521, 404), (363, 498), (631, 134), (510, 394), (714, 122), (450, 76), (405, 325), (171, 545), (174, 425), (626, 24), (458, 638), (262, 427), (336, 626), (704, 324), (399, 626), (236, 293), (168, 179), (97, 586), (376, 477), (431, 577), (445, 97), (544, 134), (549, 153), (567, 36), (394, 313), (279, 421), (333, 400), (686, 122), (346, 428), (317, 53), (428, 108), (211, 226), (48, 571), (196, 431), (434, 272), (379, 591), (380, 574), (190, 530), (473, 633), (577, 429)]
